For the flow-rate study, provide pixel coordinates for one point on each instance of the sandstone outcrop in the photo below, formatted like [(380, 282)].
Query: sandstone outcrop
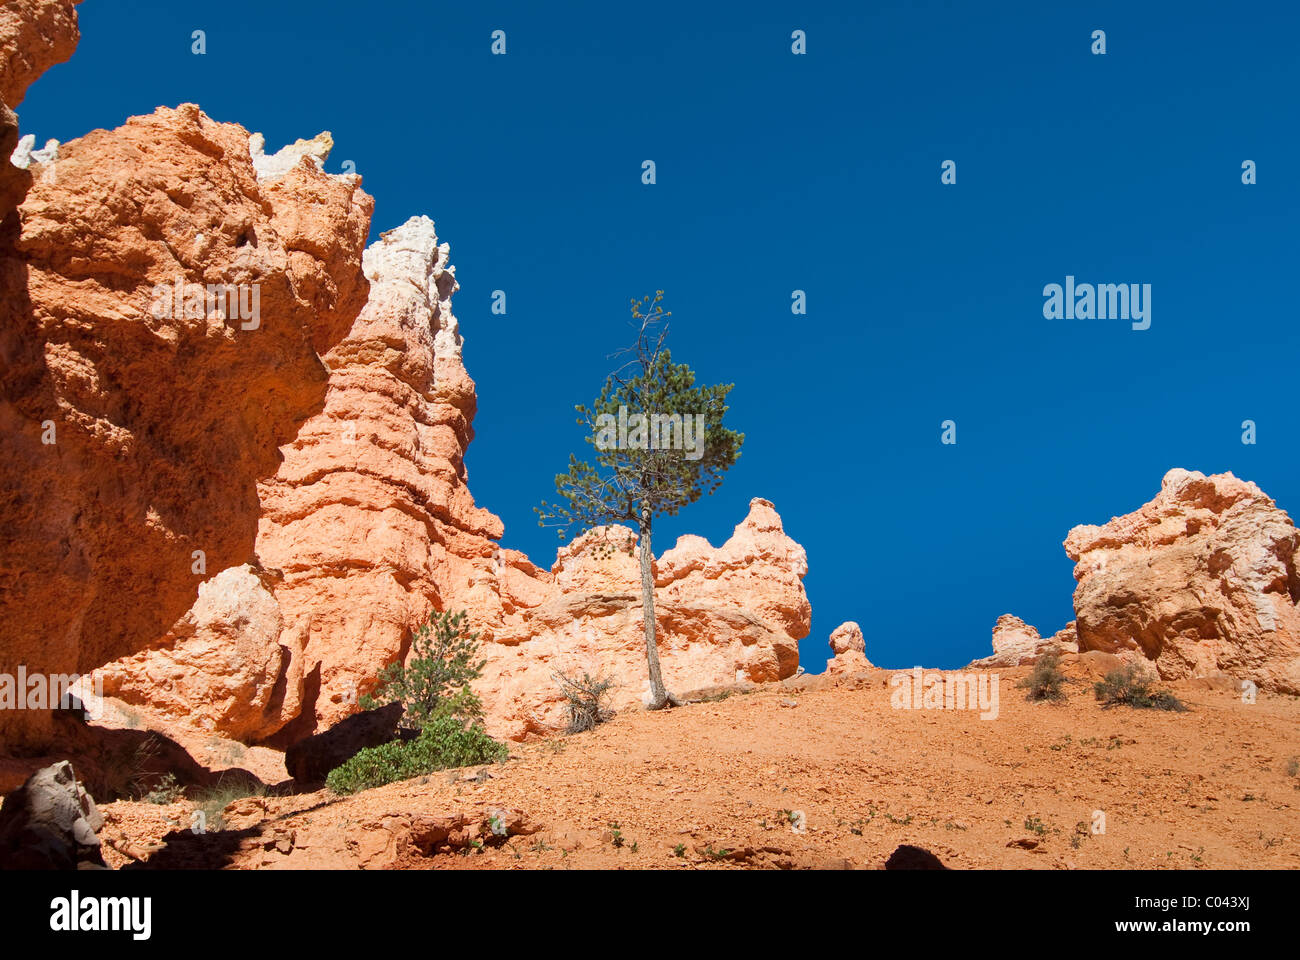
[(1016, 643), (369, 519), (34, 36), (243, 489), (137, 421), (848, 648), (50, 823), (368, 525), (724, 615), (222, 661), (1204, 579)]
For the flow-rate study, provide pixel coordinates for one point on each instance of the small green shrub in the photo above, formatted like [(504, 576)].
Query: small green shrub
[(436, 680), (445, 742), (1130, 687), (1045, 681), (168, 790)]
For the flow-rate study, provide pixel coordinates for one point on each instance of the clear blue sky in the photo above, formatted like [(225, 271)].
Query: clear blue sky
[(819, 172)]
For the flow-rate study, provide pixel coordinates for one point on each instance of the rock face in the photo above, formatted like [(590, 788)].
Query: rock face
[(369, 518), (222, 661), (137, 422), (724, 615), (226, 477), (1016, 643), (34, 36), (50, 823), (1203, 579), (368, 525)]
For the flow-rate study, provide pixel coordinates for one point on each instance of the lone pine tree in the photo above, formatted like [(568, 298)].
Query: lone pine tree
[(659, 445)]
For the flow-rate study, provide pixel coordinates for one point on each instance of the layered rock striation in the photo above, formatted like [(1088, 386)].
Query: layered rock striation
[(163, 317), (1204, 579), (368, 525)]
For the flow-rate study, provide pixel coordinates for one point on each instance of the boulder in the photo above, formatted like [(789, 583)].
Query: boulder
[(1203, 580), (1016, 643), (50, 823), (849, 649)]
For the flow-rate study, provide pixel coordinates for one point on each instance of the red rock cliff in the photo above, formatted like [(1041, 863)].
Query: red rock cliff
[(136, 422), (369, 524)]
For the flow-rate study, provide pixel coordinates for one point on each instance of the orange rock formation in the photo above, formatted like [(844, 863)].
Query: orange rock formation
[(368, 525), (136, 422), (1204, 579)]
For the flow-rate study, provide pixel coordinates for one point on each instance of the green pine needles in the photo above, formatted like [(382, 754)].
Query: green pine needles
[(659, 444), (434, 690), (436, 681)]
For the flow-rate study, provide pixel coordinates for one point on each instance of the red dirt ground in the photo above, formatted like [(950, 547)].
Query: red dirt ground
[(709, 785)]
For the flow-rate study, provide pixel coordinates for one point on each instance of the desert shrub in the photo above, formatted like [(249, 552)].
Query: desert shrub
[(445, 742), (168, 790), (1131, 687), (436, 680), (214, 799), (1045, 681), (586, 700)]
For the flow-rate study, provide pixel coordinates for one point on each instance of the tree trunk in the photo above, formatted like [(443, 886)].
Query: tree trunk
[(659, 698)]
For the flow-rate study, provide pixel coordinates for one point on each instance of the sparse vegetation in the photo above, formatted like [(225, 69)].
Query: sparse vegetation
[(1045, 681), (167, 790), (213, 800), (130, 769), (434, 690), (445, 742), (1129, 686), (436, 681), (586, 700), (632, 480)]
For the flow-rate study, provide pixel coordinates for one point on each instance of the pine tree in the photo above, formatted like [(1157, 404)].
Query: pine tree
[(659, 443), (436, 681)]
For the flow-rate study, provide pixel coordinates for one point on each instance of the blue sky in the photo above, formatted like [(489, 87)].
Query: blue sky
[(820, 172)]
